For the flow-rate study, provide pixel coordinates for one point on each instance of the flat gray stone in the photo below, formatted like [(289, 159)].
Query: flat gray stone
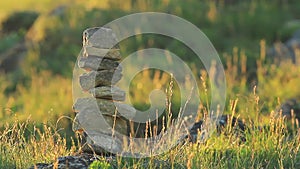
[(97, 63), (102, 124), (98, 137), (108, 92), (125, 110), (90, 105), (101, 143), (96, 118), (99, 37), (99, 78), (113, 54)]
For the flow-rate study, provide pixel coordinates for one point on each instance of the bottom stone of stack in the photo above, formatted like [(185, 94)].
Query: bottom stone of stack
[(101, 133), (101, 144)]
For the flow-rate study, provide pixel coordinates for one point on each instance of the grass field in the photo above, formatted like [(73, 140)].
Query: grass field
[(36, 98)]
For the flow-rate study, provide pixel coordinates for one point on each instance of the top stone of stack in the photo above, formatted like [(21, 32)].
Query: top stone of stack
[(101, 42), (99, 37)]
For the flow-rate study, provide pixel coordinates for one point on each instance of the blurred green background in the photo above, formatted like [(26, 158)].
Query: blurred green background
[(40, 41)]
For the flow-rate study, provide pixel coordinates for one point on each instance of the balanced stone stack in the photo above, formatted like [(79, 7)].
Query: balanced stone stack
[(99, 116)]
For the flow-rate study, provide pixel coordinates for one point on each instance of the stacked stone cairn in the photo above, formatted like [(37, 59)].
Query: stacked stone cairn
[(98, 117)]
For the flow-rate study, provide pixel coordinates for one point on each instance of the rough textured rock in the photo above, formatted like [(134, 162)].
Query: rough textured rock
[(105, 107), (285, 51), (97, 63), (84, 161), (99, 37), (287, 107), (81, 161), (113, 54), (279, 52), (103, 128), (92, 105), (100, 143), (99, 78), (102, 133), (125, 110), (108, 92), (221, 122), (95, 123)]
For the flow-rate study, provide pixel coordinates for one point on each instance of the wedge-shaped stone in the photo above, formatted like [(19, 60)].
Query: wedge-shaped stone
[(97, 63), (116, 123), (99, 78), (100, 143), (113, 54), (95, 122), (102, 133), (125, 110), (99, 37), (90, 105), (108, 92)]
